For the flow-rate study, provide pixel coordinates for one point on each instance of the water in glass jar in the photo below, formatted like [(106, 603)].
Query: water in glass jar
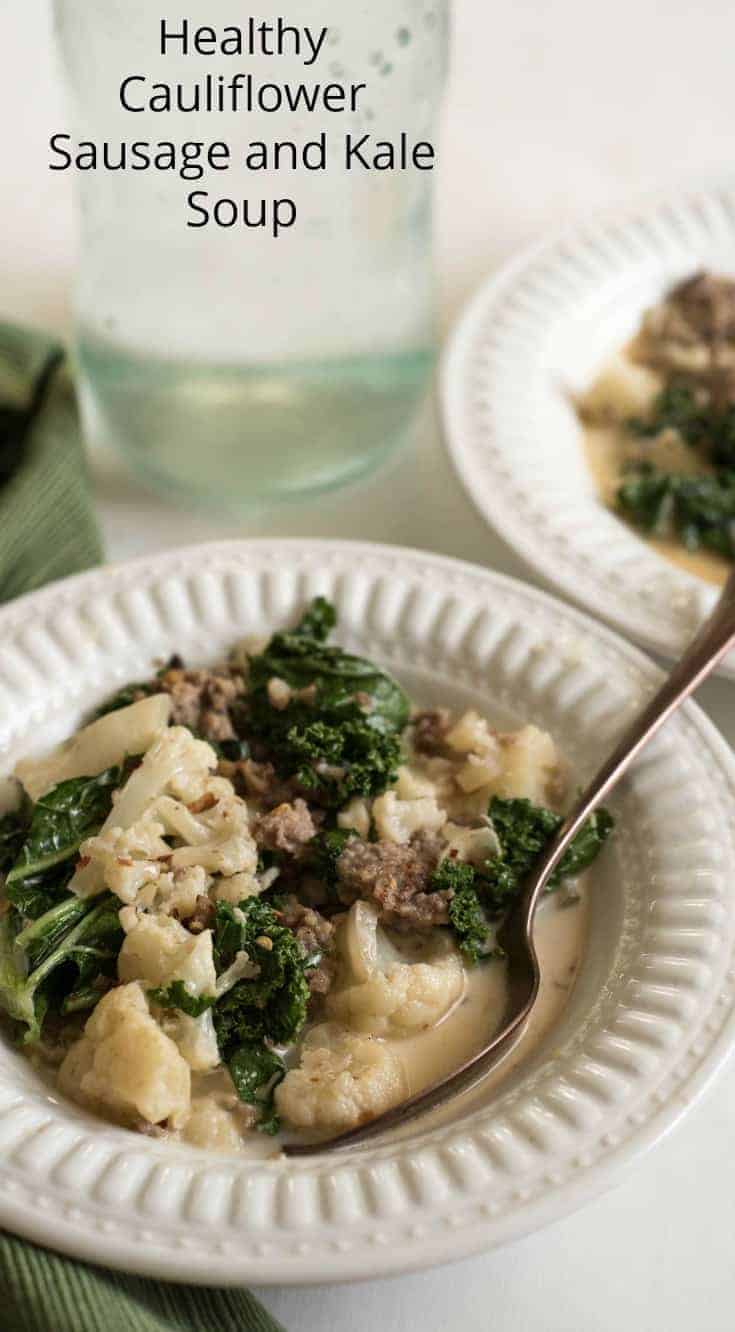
[(227, 364)]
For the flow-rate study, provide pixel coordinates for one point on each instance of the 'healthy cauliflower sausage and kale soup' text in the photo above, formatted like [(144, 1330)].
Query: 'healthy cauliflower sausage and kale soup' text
[(265, 895), (660, 424)]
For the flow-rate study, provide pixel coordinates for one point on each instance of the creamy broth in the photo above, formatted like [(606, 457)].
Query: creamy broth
[(607, 448), (217, 1122)]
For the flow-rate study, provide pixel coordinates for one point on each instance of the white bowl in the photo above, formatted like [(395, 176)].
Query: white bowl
[(537, 332), (651, 1016)]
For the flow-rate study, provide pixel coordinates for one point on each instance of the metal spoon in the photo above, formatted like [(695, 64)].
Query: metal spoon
[(715, 638)]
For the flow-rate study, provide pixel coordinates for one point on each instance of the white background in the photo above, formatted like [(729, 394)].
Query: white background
[(558, 108)]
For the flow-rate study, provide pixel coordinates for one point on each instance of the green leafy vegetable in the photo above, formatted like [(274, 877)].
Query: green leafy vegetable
[(176, 995), (676, 408), (12, 834), (486, 892), (709, 428), (324, 851), (49, 959), (256, 1072), (272, 1005), (699, 510), (345, 713), (340, 761), (524, 831), (466, 915), (318, 620), (62, 819), (34, 896)]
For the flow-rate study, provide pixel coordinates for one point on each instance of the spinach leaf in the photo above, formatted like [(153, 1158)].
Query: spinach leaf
[(62, 819), (176, 995), (256, 1072)]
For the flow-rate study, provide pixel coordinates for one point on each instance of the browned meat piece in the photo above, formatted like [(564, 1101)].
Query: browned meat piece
[(707, 304), (202, 699), (203, 917), (316, 935), (257, 781), (287, 828), (396, 878), (430, 730)]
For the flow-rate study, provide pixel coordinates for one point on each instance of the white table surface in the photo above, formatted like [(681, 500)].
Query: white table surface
[(558, 108)]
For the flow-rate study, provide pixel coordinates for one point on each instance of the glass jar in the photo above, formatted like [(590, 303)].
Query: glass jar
[(231, 361)]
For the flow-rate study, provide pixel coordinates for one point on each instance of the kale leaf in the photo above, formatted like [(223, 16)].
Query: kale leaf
[(699, 510), (256, 1072), (317, 621), (176, 995), (481, 894), (345, 713), (675, 408), (13, 827), (62, 819), (466, 914), (271, 1006), (324, 851), (48, 960), (340, 761), (524, 831), (706, 427)]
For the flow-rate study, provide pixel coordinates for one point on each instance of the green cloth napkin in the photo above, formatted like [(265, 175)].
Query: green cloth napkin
[(47, 530)]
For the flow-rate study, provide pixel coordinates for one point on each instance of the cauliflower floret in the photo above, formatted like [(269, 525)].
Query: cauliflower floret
[(239, 886), (474, 845), (408, 997), (125, 1063), (126, 858), (382, 994), (622, 390), (397, 820), (412, 785), (173, 753), (158, 950), (532, 767), (196, 1039), (479, 771), (472, 735), (212, 1126), (99, 746), (356, 816), (177, 894), (343, 1080)]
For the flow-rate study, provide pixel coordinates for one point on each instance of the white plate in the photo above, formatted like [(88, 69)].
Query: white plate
[(539, 329), (649, 1020)]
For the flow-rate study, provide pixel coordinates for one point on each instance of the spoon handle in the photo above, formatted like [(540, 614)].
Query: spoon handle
[(714, 639)]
